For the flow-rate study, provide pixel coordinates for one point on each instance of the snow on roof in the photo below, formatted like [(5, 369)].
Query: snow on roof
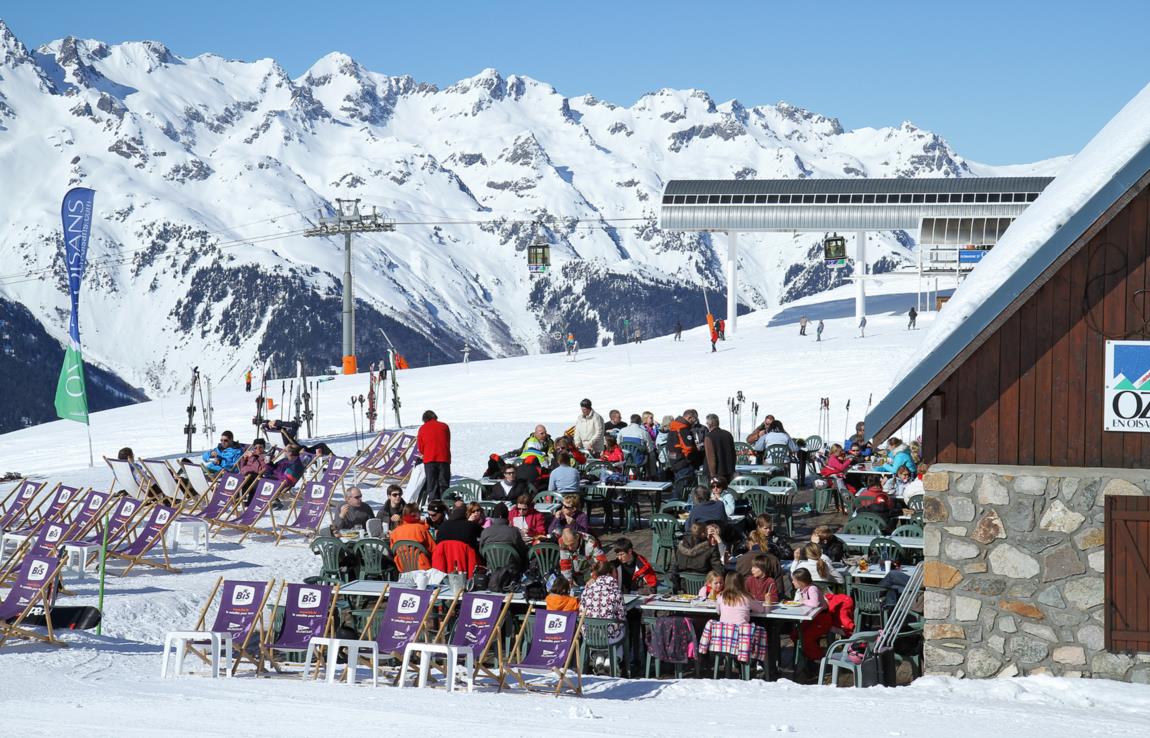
[(1093, 180)]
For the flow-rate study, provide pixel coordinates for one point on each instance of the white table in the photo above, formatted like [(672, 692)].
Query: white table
[(371, 588), (795, 613), (877, 573), (862, 541), (758, 469)]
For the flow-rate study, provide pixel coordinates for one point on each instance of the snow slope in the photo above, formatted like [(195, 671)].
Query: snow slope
[(783, 372), (107, 685), (207, 169)]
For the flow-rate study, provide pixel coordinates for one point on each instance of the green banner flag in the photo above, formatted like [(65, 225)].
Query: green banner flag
[(71, 397)]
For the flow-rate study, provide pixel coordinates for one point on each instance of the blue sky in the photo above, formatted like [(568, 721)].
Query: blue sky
[(1005, 82)]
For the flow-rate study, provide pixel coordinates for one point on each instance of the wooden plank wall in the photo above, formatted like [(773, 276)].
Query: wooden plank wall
[(1032, 393), (1127, 580)]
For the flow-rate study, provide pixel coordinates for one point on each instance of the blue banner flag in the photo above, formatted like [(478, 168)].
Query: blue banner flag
[(76, 212)]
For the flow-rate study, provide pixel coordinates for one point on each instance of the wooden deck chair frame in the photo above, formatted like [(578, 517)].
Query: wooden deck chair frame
[(392, 459), (218, 524), (13, 629), (280, 530), (42, 501), (341, 478), (561, 675), (130, 525), (136, 489), (26, 510), (267, 651), (165, 478), (240, 653), (270, 513), (496, 640), (201, 501), (209, 480), (367, 635), (9, 566), (379, 445), (161, 541), (65, 515)]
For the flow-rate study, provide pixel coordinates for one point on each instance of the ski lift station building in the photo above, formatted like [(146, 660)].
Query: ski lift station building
[(948, 213), (1033, 389)]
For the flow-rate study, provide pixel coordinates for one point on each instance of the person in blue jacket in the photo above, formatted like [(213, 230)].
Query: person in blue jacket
[(864, 447), (224, 456), (898, 456)]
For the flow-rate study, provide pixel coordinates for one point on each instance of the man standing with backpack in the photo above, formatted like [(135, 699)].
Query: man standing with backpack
[(913, 315)]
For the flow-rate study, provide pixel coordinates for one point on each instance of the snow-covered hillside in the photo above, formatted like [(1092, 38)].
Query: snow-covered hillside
[(207, 169), (493, 404)]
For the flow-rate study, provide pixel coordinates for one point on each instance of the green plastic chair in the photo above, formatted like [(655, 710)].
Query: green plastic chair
[(886, 549), (868, 601), (814, 443), (664, 528), (407, 553), (545, 556), (675, 508), (777, 455), (597, 640), (761, 501), (461, 492), (875, 518), (744, 482), (548, 498), (329, 550), (501, 556), (744, 453), (836, 657), (488, 506), (915, 503), (907, 530), (472, 484), (649, 625), (862, 527), (690, 582), (374, 563)]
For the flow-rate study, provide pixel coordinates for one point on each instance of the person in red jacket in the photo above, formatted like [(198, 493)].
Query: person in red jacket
[(530, 522), (635, 573), (433, 441)]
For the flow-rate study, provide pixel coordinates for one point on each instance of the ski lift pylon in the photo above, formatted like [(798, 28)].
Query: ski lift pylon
[(834, 251)]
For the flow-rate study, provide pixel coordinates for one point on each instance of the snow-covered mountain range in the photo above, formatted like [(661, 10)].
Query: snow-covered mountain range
[(208, 169)]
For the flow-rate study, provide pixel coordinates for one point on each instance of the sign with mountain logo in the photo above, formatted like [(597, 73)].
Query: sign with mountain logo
[(1126, 401)]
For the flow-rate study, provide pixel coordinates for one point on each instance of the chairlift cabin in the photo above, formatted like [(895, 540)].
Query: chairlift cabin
[(835, 251), (539, 258)]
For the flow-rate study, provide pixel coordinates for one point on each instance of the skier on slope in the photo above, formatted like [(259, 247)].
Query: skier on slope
[(862, 327), (803, 325), (819, 331), (714, 336), (722, 326), (913, 315), (678, 330), (248, 381)]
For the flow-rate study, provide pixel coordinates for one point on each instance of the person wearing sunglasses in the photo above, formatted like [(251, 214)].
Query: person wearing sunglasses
[(354, 512), (570, 515), (391, 511)]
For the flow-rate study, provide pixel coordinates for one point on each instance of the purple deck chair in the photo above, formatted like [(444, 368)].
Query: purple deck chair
[(238, 617), (31, 587), (335, 469), (307, 611), (223, 493), (398, 455), (309, 509), (481, 616), (402, 623), (377, 447), (123, 512), (147, 537), (60, 501), (554, 643), (17, 503), (58, 512), (262, 498)]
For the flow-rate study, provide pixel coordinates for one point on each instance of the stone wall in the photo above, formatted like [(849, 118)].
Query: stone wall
[(1014, 562)]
